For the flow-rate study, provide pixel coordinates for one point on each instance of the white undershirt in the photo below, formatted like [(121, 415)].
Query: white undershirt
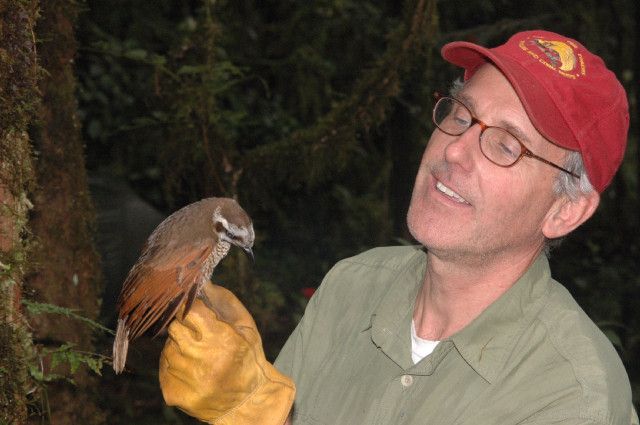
[(420, 348)]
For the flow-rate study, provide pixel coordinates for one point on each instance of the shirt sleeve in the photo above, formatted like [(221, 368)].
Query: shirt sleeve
[(306, 344), (632, 419), (289, 361)]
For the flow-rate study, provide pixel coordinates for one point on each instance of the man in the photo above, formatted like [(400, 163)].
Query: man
[(471, 328)]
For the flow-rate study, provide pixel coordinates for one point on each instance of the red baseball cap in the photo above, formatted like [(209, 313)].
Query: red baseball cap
[(569, 94)]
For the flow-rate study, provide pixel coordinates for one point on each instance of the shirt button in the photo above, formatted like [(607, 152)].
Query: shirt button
[(406, 380)]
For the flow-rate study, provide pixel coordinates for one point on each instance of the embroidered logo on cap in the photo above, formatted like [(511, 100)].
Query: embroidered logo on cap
[(560, 56)]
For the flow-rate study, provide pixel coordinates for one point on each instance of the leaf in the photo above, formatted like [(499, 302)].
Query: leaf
[(66, 354), (36, 308), (136, 54), (192, 69)]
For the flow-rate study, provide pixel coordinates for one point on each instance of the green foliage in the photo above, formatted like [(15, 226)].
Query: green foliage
[(66, 355), (36, 308), (63, 362)]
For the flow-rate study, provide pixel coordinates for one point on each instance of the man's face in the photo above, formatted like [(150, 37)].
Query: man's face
[(464, 206)]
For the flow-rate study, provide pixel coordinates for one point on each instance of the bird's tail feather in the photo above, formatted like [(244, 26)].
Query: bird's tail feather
[(120, 346)]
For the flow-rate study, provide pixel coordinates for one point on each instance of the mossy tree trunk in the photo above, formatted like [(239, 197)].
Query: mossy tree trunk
[(48, 255), (67, 272), (18, 101)]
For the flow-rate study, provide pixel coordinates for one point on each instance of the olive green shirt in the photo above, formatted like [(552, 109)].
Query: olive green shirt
[(532, 357)]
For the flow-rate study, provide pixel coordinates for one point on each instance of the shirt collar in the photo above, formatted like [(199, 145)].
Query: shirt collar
[(391, 320), (485, 343)]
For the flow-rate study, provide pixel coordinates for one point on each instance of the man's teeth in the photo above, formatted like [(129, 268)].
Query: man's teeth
[(444, 189)]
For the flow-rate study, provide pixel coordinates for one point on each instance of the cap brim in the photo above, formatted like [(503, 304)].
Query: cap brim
[(543, 112)]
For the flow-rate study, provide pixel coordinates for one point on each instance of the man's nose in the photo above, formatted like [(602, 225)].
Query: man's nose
[(463, 150)]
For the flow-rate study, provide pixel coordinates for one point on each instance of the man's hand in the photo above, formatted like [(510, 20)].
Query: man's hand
[(213, 366)]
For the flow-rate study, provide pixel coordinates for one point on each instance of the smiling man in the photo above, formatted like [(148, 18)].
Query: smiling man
[(470, 328)]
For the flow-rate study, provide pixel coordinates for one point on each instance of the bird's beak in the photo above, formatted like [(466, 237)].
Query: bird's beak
[(249, 252)]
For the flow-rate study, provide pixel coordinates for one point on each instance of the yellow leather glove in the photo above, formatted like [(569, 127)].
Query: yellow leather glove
[(213, 366)]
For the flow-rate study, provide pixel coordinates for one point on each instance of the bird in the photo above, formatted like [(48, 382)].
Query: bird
[(175, 264)]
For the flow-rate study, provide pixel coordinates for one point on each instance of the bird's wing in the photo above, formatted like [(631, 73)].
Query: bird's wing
[(156, 287)]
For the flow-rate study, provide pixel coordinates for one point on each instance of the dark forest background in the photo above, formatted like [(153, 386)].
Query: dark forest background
[(313, 114)]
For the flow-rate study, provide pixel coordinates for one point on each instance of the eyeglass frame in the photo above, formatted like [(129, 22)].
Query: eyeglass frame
[(524, 151)]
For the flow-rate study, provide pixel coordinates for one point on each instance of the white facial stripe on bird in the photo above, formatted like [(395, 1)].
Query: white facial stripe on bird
[(218, 218), (233, 234), (243, 233)]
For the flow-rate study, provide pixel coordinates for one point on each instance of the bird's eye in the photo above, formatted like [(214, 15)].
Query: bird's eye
[(231, 235)]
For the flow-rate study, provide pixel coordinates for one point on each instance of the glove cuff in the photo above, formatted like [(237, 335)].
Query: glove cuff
[(269, 404)]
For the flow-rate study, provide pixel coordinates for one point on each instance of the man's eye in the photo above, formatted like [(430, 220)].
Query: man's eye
[(508, 149), (461, 120)]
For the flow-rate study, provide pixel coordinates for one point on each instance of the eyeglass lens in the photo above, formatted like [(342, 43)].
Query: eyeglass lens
[(498, 145)]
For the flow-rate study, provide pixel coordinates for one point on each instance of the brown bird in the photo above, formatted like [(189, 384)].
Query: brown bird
[(176, 262)]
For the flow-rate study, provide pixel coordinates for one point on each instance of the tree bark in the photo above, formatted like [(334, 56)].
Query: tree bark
[(67, 271), (18, 100)]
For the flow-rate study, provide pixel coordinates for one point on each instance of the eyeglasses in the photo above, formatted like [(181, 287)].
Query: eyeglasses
[(498, 145)]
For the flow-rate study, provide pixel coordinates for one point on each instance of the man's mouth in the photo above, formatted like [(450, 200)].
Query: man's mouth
[(451, 194)]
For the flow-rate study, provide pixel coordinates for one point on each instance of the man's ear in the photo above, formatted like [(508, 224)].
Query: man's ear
[(567, 214)]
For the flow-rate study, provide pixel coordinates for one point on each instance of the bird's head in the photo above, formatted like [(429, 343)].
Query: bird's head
[(233, 225)]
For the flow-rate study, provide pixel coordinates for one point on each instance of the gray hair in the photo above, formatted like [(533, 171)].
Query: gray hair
[(571, 187), (456, 86)]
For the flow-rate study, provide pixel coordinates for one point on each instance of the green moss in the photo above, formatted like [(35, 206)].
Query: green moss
[(15, 348), (18, 101)]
